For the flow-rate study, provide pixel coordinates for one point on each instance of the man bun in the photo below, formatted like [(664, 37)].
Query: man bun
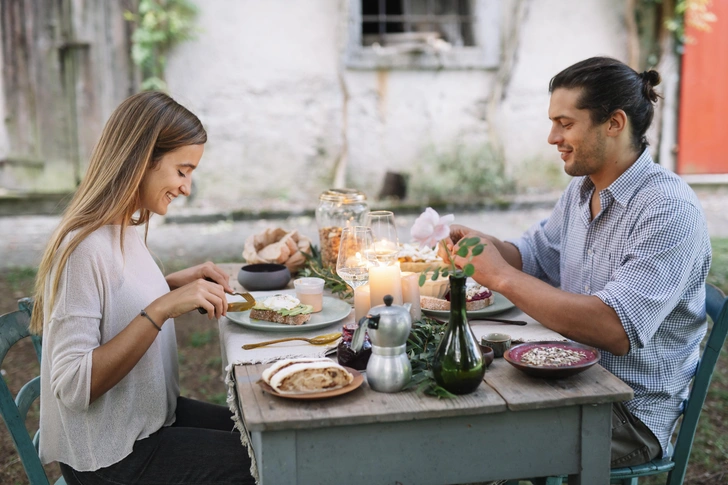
[(650, 79)]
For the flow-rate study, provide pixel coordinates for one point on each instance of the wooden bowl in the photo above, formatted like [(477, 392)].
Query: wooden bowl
[(515, 354), (488, 354)]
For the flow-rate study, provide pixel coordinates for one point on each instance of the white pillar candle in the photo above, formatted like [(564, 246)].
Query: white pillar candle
[(411, 293), (385, 280), (362, 302)]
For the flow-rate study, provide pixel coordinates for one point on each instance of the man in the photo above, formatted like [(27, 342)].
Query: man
[(621, 262)]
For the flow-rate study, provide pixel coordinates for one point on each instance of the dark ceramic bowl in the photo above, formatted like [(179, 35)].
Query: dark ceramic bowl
[(264, 276), (515, 354), (488, 354)]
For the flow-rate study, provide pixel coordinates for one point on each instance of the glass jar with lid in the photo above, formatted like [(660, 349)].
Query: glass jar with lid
[(338, 208)]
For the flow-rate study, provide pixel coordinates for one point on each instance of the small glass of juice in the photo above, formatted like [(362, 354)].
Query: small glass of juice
[(310, 291)]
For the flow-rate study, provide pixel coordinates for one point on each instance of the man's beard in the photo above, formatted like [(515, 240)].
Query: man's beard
[(589, 160)]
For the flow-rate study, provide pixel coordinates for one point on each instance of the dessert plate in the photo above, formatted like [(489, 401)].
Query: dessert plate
[(500, 304), (358, 379), (333, 311)]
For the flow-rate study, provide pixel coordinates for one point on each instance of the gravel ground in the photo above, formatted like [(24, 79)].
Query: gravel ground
[(23, 238)]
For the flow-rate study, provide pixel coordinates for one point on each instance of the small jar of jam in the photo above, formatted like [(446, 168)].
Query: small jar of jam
[(346, 356)]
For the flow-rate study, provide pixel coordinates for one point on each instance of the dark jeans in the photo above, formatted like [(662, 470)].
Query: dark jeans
[(201, 447), (632, 441)]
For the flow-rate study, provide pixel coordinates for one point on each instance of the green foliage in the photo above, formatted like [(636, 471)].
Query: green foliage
[(719, 268), (460, 173), (199, 339), (332, 281), (421, 345), (159, 26), (467, 248), (21, 279)]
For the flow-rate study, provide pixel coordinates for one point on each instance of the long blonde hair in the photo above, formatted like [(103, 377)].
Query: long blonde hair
[(142, 129)]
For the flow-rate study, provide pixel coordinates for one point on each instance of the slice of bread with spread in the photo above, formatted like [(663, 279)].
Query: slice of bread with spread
[(477, 297), (285, 309), (301, 376)]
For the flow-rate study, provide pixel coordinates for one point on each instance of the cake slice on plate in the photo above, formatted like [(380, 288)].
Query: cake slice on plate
[(477, 297)]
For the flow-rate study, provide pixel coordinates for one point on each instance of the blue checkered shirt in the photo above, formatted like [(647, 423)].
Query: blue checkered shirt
[(646, 255)]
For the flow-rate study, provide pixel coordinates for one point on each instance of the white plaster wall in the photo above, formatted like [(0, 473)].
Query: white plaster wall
[(555, 35), (264, 79)]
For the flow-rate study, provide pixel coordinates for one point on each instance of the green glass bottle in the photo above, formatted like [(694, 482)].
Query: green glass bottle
[(458, 362)]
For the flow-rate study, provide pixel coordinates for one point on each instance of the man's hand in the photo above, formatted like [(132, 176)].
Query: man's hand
[(490, 267)]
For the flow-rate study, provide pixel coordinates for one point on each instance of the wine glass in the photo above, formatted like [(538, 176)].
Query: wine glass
[(355, 252), (386, 243)]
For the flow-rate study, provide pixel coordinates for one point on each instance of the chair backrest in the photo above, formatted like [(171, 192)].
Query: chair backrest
[(716, 307), (13, 328)]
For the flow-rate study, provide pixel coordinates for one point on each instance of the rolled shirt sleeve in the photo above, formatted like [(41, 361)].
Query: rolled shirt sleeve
[(655, 267)]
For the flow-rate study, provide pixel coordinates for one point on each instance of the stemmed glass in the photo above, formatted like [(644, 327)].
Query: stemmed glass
[(355, 253), (386, 243)]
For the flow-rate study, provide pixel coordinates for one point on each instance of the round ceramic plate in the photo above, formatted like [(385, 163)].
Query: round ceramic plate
[(500, 304), (358, 379), (515, 354), (333, 311)]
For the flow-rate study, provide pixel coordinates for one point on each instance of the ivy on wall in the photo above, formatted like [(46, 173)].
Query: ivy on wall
[(695, 13), (159, 26)]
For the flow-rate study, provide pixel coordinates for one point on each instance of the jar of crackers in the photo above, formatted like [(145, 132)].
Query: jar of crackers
[(338, 208)]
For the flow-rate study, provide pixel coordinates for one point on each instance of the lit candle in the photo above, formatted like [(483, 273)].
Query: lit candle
[(411, 293), (362, 302), (385, 280)]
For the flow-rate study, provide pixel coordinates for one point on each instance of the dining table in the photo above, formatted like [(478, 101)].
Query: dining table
[(513, 426)]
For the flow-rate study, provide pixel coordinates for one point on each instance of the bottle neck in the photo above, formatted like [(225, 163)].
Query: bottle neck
[(457, 294)]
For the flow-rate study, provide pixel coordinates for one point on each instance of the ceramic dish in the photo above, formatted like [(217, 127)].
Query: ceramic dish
[(500, 304), (333, 311), (515, 354), (358, 379)]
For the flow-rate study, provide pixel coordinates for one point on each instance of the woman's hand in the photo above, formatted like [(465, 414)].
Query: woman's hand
[(201, 271), (198, 294)]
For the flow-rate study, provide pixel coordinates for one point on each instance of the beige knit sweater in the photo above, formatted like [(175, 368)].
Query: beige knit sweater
[(100, 293)]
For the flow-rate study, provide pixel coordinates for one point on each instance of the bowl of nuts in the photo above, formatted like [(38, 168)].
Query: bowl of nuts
[(552, 359)]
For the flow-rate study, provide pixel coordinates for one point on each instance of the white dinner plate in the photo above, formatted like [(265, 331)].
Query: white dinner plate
[(500, 305), (333, 311)]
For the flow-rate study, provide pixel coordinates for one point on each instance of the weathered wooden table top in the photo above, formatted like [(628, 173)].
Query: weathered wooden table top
[(504, 388)]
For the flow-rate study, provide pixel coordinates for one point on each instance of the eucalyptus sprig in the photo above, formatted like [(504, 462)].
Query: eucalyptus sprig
[(431, 229), (467, 248), (332, 281), (421, 345)]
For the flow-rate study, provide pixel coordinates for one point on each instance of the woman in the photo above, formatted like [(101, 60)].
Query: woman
[(110, 405)]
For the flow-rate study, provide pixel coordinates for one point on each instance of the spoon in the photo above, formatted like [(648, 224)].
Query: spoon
[(318, 340)]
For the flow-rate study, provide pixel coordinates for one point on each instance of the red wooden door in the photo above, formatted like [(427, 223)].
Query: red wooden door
[(703, 125)]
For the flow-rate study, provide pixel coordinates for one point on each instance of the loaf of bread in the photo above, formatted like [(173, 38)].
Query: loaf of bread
[(301, 376)]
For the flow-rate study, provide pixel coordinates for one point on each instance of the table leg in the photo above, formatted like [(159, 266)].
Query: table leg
[(279, 464), (596, 423)]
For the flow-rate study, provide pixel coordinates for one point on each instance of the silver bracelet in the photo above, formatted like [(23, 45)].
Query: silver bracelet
[(145, 314)]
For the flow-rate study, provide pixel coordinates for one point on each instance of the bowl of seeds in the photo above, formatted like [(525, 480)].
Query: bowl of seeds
[(552, 359)]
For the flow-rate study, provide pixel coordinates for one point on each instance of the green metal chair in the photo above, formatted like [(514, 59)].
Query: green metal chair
[(676, 464), (13, 328)]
